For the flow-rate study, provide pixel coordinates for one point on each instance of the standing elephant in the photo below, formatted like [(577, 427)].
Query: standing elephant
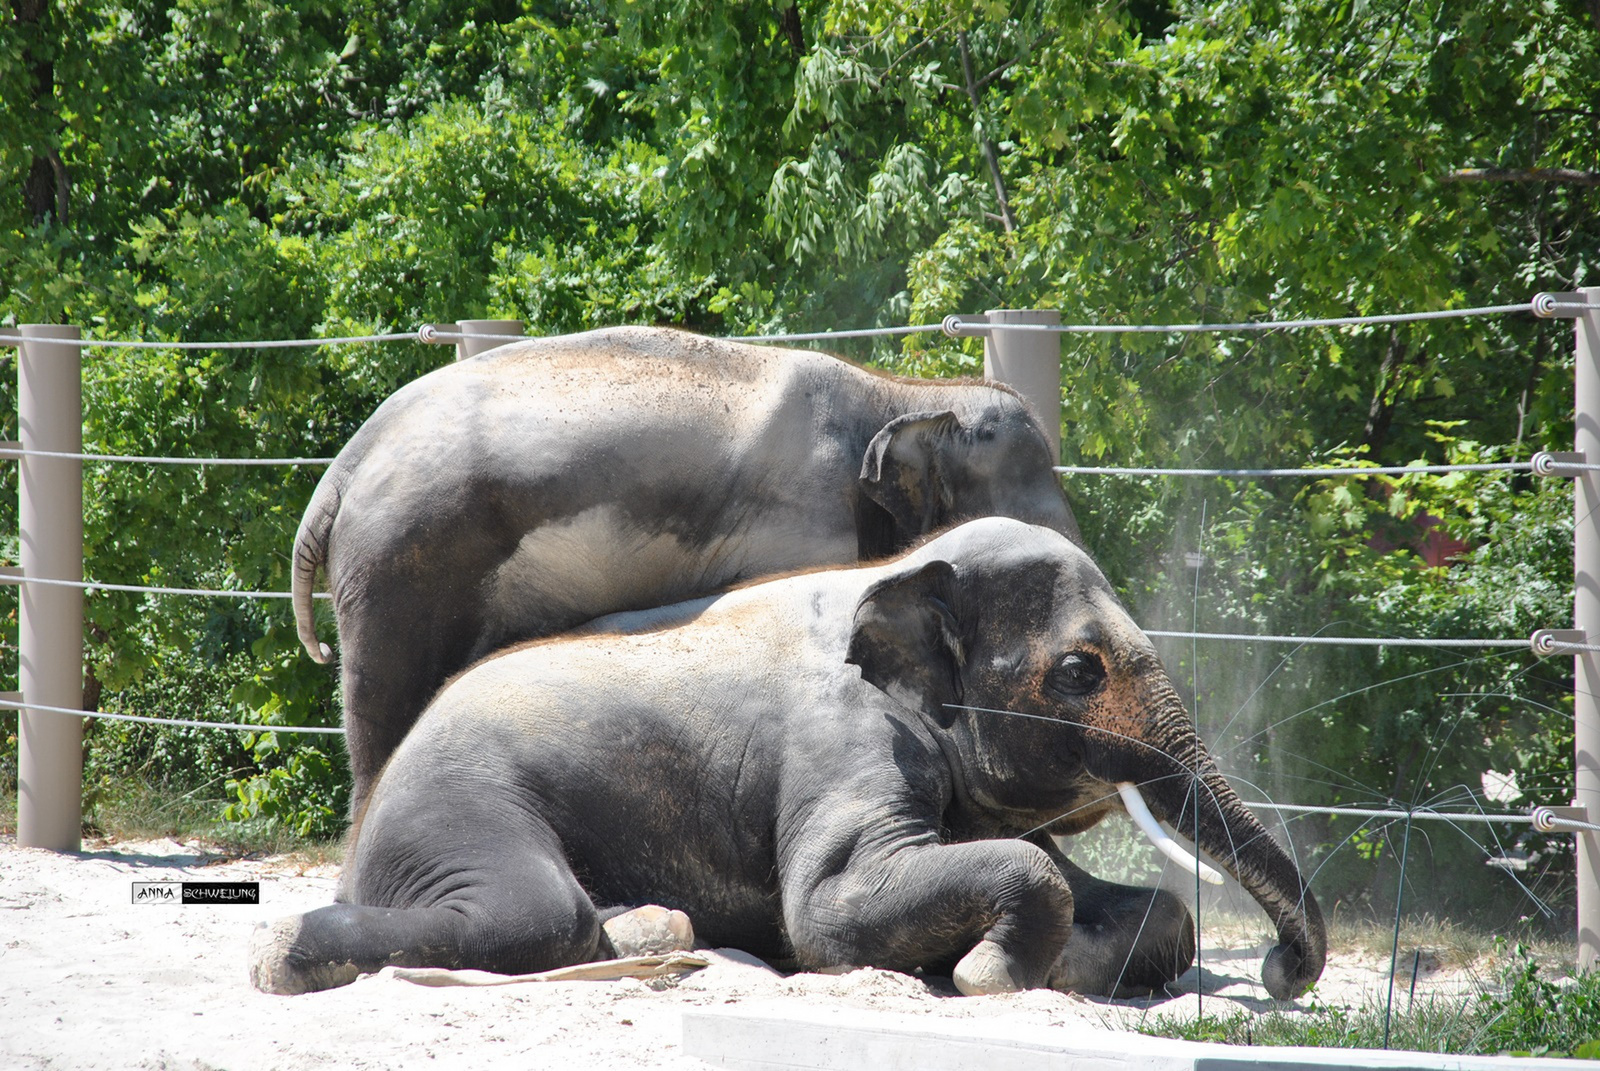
[(849, 767), (545, 483)]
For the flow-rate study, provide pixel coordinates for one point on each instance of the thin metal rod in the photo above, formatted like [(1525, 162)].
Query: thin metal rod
[(964, 326), (1426, 814), (824, 336), (140, 589), (1394, 949), (17, 451), (1375, 470), (255, 344), (7, 704), (1341, 641)]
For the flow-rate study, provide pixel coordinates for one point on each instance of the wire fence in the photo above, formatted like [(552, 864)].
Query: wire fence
[(954, 326), (1357, 471), (192, 723)]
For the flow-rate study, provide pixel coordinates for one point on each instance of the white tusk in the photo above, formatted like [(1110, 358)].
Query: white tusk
[(1140, 813)]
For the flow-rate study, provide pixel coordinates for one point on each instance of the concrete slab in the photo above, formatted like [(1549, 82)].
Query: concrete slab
[(761, 1037)]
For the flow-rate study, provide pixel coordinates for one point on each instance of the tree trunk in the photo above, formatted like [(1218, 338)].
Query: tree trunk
[(793, 29), (47, 188), (1380, 411)]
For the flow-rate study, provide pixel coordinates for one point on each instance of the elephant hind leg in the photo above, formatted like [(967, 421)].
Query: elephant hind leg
[(525, 918), (1126, 939)]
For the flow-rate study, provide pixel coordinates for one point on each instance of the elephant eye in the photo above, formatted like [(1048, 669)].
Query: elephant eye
[(1077, 674)]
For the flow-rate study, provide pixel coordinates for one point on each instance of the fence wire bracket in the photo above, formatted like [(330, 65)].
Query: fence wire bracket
[(1550, 641), (1547, 819), (1559, 462), (965, 325), (1561, 305)]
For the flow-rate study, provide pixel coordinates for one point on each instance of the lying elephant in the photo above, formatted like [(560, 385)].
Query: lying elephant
[(848, 767), (546, 483)]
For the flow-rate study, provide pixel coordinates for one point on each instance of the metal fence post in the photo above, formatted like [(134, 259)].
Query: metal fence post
[(471, 347), (1030, 363), (1586, 615), (50, 621)]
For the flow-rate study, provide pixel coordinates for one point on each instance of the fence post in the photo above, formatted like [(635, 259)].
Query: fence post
[(1030, 363), (50, 621), (471, 347), (1586, 614)]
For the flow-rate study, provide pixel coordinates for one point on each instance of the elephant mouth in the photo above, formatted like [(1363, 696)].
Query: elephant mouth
[(1139, 811)]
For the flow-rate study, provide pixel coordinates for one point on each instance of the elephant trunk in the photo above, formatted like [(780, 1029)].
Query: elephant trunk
[(1196, 800)]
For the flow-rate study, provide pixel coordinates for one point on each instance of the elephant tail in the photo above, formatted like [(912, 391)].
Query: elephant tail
[(310, 552)]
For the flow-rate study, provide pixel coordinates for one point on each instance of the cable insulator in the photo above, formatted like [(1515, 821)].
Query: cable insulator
[(956, 326)]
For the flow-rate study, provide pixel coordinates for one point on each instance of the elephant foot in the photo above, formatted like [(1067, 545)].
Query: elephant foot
[(276, 965), (649, 931), (1113, 961), (984, 970)]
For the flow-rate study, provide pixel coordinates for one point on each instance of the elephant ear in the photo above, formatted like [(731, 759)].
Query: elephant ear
[(901, 470), (909, 640)]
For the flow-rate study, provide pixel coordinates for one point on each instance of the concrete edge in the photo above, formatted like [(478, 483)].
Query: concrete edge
[(780, 1037)]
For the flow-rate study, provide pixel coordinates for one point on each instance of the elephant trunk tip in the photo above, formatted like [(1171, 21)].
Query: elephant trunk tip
[(1288, 972), (323, 653)]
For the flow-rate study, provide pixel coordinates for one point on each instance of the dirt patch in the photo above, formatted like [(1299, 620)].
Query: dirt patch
[(88, 979)]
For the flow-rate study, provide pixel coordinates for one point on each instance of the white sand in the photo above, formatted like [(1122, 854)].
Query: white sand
[(89, 980)]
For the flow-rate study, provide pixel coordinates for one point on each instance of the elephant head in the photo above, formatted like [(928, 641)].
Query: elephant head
[(929, 470), (1046, 697)]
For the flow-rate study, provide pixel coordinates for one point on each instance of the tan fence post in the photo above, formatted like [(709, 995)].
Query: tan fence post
[(471, 347), (50, 621), (1030, 363), (1586, 617)]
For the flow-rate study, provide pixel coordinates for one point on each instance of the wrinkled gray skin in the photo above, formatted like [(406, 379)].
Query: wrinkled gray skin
[(817, 769), (545, 483)]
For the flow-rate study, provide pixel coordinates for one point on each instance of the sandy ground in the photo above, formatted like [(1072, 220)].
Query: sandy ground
[(90, 980)]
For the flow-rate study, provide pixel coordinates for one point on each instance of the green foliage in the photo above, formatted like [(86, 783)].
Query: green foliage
[(1529, 1015)]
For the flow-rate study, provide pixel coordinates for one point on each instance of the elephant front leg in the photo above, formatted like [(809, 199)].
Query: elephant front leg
[(1125, 938), (999, 910)]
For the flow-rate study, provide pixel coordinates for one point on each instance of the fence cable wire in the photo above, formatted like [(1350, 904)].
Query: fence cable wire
[(1331, 641), (1339, 641), (10, 704), (1375, 470), (956, 326), (1540, 817), (252, 344), (139, 589), (140, 459)]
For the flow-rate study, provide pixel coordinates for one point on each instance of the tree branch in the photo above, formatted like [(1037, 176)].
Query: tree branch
[(985, 143), (1563, 175), (1044, 39)]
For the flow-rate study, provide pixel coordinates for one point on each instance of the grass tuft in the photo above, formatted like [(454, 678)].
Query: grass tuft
[(1517, 1010)]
